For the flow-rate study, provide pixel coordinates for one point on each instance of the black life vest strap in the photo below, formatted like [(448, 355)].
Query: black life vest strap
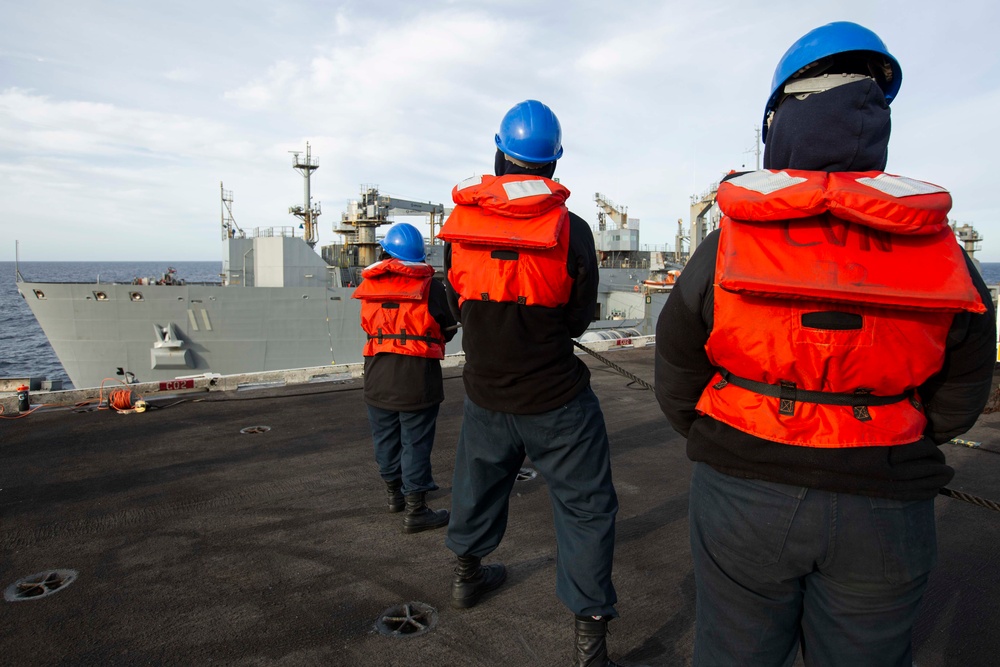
[(403, 336), (860, 400)]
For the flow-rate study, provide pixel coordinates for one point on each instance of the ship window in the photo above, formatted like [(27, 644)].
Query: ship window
[(334, 298), (135, 296), (305, 296), (100, 296), (39, 294)]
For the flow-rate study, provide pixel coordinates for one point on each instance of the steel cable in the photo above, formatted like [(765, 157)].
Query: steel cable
[(969, 498), (637, 380)]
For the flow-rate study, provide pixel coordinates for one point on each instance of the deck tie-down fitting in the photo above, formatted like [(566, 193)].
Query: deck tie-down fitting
[(408, 620), (39, 585)]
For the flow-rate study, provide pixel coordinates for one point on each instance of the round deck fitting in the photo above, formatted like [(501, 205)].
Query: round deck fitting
[(525, 475), (39, 585), (407, 620), (253, 430)]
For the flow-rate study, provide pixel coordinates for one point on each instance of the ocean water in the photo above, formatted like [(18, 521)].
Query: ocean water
[(991, 273), (24, 350)]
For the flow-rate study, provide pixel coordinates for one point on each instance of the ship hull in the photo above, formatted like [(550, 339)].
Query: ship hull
[(162, 332), (97, 330)]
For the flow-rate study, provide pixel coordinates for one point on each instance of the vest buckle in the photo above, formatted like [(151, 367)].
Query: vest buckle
[(786, 398), (861, 405)]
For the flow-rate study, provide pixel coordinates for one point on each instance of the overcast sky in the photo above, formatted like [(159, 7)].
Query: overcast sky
[(118, 120)]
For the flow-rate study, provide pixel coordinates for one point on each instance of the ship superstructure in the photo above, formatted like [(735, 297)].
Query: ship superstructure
[(635, 278)]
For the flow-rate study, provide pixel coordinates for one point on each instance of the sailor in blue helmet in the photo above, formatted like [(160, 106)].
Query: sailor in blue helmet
[(405, 315), (522, 277), (815, 352)]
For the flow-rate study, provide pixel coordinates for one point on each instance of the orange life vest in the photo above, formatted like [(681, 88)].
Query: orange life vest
[(834, 296), (394, 310), (510, 241)]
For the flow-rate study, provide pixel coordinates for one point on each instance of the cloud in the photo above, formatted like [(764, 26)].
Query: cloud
[(36, 124), (656, 100), (100, 179), (395, 98), (272, 89), (376, 72), (183, 75)]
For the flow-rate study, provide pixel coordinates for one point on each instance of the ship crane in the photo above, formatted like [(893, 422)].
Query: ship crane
[(608, 209), (705, 216), (374, 209), (679, 241)]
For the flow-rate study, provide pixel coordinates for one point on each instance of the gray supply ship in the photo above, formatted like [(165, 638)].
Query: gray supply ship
[(281, 304)]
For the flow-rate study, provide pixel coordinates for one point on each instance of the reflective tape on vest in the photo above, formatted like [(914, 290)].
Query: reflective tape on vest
[(522, 189), (900, 186), (765, 182)]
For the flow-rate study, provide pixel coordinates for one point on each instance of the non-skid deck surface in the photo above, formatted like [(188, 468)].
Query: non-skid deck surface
[(196, 544)]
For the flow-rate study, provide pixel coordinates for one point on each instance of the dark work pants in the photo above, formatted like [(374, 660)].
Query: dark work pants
[(569, 447), (403, 443), (778, 565)]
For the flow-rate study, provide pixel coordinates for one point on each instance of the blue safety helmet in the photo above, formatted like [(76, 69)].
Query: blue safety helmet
[(404, 241), (530, 132), (832, 39)]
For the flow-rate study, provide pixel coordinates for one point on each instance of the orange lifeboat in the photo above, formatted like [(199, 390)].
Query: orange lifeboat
[(670, 279)]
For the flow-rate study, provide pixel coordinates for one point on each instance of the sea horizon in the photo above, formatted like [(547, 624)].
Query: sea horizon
[(26, 350)]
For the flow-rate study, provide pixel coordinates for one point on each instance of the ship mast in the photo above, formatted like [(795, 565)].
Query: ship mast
[(229, 227), (967, 235), (756, 146), (307, 212)]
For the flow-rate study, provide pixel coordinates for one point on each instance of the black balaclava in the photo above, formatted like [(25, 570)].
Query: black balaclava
[(503, 167), (842, 129)]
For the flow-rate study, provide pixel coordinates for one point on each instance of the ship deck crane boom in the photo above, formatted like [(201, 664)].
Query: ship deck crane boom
[(374, 209), (608, 208)]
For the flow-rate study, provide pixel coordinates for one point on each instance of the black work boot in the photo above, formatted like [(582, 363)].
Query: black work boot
[(591, 646), (394, 491), (473, 579), (421, 517)]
